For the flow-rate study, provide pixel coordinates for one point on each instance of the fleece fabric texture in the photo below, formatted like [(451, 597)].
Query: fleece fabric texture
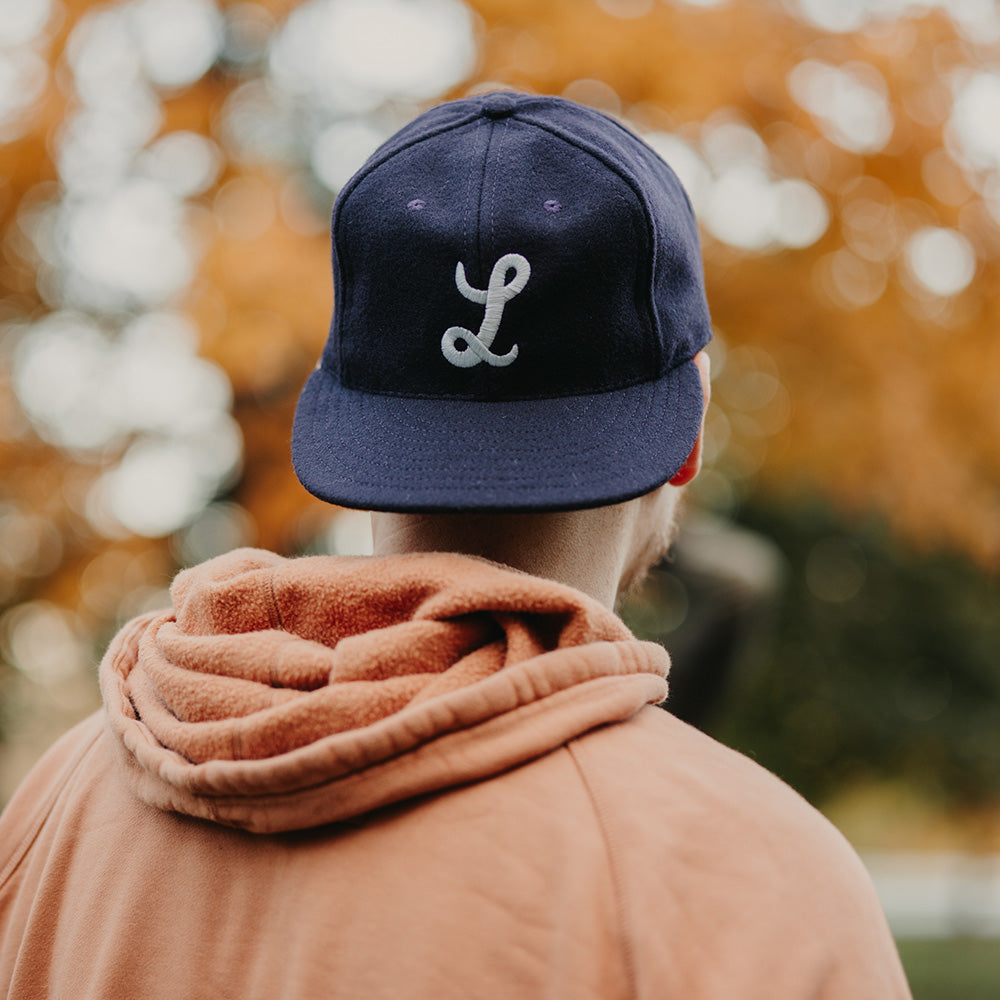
[(418, 777)]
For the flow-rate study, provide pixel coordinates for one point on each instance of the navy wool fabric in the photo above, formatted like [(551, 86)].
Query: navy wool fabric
[(581, 390)]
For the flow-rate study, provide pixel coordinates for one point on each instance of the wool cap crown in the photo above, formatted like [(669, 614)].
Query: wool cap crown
[(518, 297)]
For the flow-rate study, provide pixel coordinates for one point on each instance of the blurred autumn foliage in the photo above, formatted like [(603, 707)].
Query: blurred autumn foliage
[(892, 396), (843, 163)]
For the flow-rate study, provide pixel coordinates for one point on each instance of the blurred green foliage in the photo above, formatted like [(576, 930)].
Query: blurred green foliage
[(879, 662), (953, 969)]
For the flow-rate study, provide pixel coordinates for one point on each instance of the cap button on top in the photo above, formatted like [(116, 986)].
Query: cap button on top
[(499, 106)]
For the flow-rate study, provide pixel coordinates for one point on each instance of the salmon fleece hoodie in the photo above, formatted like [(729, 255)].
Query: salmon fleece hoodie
[(426, 777)]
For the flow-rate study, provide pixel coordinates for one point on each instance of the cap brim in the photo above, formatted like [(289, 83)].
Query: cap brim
[(393, 453)]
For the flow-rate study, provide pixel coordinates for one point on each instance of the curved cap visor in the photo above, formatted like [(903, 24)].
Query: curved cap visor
[(395, 453)]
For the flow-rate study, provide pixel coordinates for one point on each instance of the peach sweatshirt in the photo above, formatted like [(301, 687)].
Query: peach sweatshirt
[(423, 777)]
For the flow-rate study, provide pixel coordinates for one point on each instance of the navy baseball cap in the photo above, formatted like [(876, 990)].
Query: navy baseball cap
[(518, 299)]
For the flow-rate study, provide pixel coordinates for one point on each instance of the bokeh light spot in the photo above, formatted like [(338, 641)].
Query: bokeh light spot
[(942, 260), (731, 143), (160, 485), (220, 527), (58, 372), (30, 544), (106, 62), (178, 39), (849, 281), (974, 118), (741, 208), (42, 641), (341, 149), (836, 16), (126, 248), (849, 103), (23, 20), (687, 163), (96, 146), (802, 214), (595, 94), (870, 230), (734, 193), (184, 162), (23, 76), (626, 8), (354, 54)]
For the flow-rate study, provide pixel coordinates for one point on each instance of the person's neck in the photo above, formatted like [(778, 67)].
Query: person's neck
[(587, 549)]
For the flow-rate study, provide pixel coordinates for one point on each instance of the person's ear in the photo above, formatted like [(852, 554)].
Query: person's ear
[(692, 464)]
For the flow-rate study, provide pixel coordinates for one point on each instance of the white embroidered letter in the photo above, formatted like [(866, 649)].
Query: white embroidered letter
[(496, 295)]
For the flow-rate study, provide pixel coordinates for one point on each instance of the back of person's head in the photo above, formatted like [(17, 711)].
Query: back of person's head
[(518, 305)]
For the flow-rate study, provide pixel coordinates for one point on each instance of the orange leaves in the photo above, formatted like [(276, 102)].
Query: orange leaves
[(890, 361)]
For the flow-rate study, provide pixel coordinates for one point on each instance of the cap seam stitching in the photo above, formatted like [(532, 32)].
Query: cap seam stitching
[(647, 214), (480, 255), (625, 131), (496, 178), (341, 262), (466, 236)]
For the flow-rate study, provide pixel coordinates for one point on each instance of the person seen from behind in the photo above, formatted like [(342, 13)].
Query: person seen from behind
[(441, 772)]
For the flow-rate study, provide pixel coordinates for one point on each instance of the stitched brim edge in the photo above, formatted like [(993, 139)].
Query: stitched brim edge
[(391, 453)]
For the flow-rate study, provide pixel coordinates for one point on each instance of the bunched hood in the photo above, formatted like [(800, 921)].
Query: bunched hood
[(279, 694)]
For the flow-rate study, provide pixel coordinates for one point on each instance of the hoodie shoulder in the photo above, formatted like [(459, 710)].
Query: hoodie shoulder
[(727, 876), (30, 806)]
